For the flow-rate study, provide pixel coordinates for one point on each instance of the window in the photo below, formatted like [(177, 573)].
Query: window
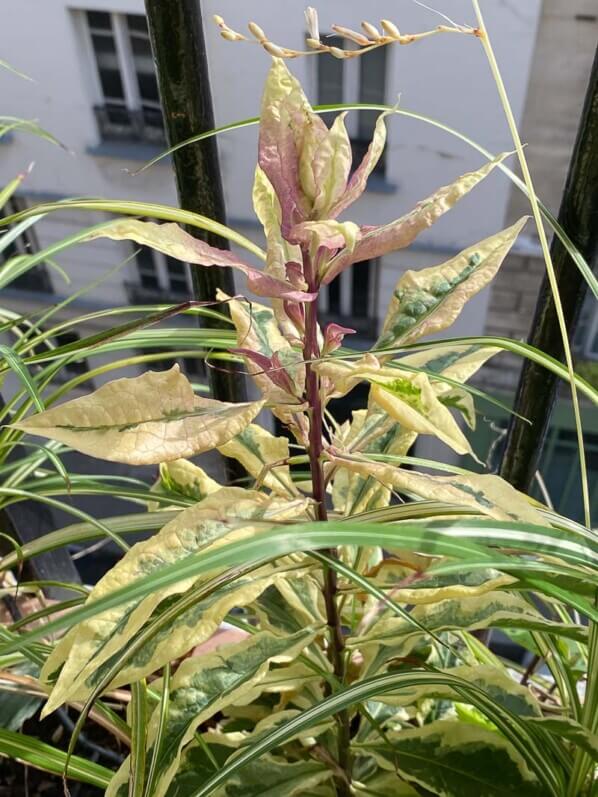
[(360, 79), (351, 298), (586, 335), (36, 278), (128, 101), (194, 367), (158, 277), (74, 367)]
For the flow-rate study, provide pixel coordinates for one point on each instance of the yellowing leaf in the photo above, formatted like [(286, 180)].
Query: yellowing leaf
[(188, 479), (429, 300), (487, 493), (86, 649), (144, 420), (380, 240), (173, 241), (331, 165), (256, 449), (411, 401)]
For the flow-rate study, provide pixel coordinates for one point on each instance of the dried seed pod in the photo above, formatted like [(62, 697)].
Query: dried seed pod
[(352, 35), (337, 52), (314, 44), (231, 36), (274, 50), (256, 31), (371, 31), (390, 28)]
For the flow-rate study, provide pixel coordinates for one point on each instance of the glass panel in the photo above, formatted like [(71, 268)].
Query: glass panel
[(104, 48), (99, 19), (137, 22), (177, 276), (74, 366), (146, 268), (372, 89), (330, 77), (360, 293), (334, 297)]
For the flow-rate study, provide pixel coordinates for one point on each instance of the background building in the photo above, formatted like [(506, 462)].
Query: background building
[(96, 90)]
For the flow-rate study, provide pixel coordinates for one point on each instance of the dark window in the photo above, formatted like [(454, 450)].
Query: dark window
[(147, 269), (177, 277), (130, 102), (73, 367), (36, 278)]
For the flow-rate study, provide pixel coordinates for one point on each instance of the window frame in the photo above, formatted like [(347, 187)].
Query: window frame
[(368, 322), (25, 243), (138, 292)]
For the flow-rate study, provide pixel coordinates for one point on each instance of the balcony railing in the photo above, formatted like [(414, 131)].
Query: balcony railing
[(119, 123)]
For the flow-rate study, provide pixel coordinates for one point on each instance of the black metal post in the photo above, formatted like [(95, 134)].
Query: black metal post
[(176, 32), (578, 215)]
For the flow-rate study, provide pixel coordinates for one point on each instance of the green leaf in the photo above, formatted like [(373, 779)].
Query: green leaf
[(186, 478), (271, 777), (49, 759), (18, 706), (491, 610), (429, 300), (205, 685), (564, 728), (263, 456), (143, 420), (455, 759), (494, 681)]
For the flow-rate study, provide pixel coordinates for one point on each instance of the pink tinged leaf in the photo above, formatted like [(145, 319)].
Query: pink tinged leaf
[(296, 314), (173, 241), (271, 367), (284, 117), (333, 337), (294, 272), (358, 181), (378, 241)]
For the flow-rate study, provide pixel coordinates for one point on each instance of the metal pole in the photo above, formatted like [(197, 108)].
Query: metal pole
[(578, 215), (176, 32)]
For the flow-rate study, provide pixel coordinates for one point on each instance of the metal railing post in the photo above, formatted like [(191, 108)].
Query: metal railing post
[(578, 215), (176, 32)]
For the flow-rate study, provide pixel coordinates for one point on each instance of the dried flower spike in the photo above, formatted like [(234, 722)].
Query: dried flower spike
[(311, 18), (371, 31)]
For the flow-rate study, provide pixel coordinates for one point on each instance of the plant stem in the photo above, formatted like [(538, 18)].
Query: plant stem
[(336, 650)]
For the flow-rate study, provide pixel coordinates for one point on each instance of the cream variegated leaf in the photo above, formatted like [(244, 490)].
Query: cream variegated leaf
[(185, 478), (411, 401), (495, 682), (457, 361), (226, 515), (430, 300), (263, 456), (398, 234), (488, 494), (143, 420), (455, 759), (432, 589), (393, 636), (258, 331), (372, 432), (204, 685)]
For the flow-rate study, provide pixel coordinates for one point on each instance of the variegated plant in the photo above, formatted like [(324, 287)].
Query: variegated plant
[(359, 666)]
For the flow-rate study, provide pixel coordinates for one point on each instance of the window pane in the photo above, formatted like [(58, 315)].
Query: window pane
[(372, 89), (99, 19), (146, 268), (330, 77), (360, 293), (148, 87), (334, 297), (137, 22), (104, 48), (177, 276)]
